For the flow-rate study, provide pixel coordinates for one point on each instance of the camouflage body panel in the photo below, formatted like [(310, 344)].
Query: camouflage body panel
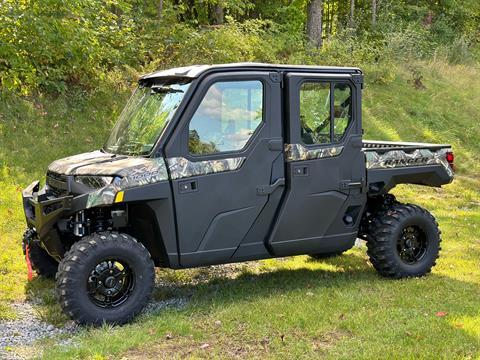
[(298, 152), (129, 172), (149, 171), (180, 167), (399, 158), (68, 165), (122, 166), (154, 170)]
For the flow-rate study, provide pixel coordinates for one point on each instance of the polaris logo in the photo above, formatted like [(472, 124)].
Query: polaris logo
[(406, 162), (146, 176)]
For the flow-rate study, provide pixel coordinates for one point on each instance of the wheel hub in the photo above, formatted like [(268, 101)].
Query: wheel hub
[(412, 244), (110, 283)]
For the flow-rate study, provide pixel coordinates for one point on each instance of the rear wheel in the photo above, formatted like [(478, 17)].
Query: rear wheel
[(403, 241), (43, 264), (105, 278)]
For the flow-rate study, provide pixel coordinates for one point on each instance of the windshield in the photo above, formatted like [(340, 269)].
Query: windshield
[(146, 114)]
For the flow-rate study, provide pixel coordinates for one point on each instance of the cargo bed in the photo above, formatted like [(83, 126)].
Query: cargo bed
[(391, 163)]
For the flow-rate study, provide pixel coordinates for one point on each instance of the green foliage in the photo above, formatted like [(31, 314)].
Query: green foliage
[(72, 63), (197, 146), (233, 42), (54, 46)]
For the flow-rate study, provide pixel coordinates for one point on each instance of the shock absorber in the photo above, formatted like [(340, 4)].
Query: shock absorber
[(79, 225), (100, 220)]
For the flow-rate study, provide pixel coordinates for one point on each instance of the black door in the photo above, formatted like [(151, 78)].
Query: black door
[(227, 168), (325, 165)]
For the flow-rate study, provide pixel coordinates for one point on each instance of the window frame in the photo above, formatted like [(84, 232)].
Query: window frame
[(351, 111), (331, 83), (260, 126)]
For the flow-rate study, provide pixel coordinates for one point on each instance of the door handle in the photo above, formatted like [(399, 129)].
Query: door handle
[(275, 145), (300, 170), (268, 189), (349, 184), (187, 186)]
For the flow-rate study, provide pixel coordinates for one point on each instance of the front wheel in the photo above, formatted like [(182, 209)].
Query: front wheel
[(106, 277), (403, 241)]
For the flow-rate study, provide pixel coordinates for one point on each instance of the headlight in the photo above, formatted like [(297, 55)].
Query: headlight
[(95, 182)]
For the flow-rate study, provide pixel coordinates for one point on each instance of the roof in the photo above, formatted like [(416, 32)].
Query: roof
[(195, 71)]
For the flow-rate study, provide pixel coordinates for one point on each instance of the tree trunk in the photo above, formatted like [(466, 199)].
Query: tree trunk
[(314, 23), (332, 16), (218, 14), (326, 19), (160, 9), (118, 14), (374, 12), (352, 13)]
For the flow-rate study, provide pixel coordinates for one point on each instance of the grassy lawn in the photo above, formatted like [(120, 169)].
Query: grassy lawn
[(283, 308), (33, 132)]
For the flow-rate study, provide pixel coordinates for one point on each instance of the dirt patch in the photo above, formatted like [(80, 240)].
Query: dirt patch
[(170, 348), (329, 339), (181, 347)]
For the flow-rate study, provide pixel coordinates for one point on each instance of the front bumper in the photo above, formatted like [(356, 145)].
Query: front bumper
[(41, 211)]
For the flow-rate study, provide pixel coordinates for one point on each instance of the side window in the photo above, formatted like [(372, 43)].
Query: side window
[(227, 117), (342, 96), (324, 118), (315, 112)]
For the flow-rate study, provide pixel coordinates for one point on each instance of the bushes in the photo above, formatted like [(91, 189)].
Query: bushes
[(233, 42), (54, 46)]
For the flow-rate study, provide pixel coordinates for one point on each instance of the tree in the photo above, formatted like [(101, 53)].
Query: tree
[(327, 18), (374, 12), (314, 23), (352, 13), (218, 13), (160, 9)]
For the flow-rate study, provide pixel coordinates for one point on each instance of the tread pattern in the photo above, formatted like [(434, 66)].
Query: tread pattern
[(70, 269), (381, 245)]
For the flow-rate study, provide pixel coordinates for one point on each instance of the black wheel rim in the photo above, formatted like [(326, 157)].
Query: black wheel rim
[(412, 244), (110, 283)]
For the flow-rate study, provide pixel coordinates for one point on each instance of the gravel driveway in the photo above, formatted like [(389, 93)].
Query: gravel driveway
[(26, 329)]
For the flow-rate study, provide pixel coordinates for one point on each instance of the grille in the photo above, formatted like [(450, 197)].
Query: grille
[(57, 184)]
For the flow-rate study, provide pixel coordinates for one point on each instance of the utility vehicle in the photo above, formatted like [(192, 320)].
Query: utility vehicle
[(227, 163)]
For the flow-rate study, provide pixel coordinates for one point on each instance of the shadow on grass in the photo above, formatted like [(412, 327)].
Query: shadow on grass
[(349, 273), (413, 307), (205, 281)]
